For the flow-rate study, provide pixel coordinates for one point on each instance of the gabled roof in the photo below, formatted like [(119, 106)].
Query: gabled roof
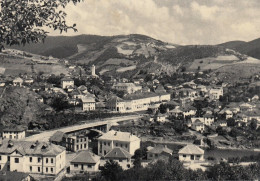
[(15, 129), (57, 137), (17, 176), (160, 149), (119, 136), (66, 79), (30, 148), (18, 79), (86, 157), (191, 149), (118, 153), (88, 99)]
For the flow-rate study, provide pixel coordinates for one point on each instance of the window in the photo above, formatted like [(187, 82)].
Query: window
[(0, 167), (105, 152), (51, 170), (85, 145), (89, 166), (85, 139), (76, 165), (46, 169), (108, 144), (80, 146), (126, 145), (16, 160), (116, 144), (77, 147), (8, 158), (184, 156), (0, 157), (51, 160), (105, 143), (47, 160), (39, 169), (39, 160), (121, 145), (30, 168), (30, 159)]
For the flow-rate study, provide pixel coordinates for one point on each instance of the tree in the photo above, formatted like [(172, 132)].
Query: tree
[(253, 124), (111, 170), (25, 21)]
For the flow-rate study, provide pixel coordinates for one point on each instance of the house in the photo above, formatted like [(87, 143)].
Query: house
[(15, 176), (116, 104), (88, 104), (221, 123), (18, 82), (197, 125), (113, 139), (176, 112), (191, 153), (246, 106), (73, 143), (32, 157), (128, 88), (160, 118), (85, 161), (215, 93), (119, 155), (77, 143), (13, 133), (67, 82), (2, 83), (159, 152), (28, 80), (207, 119)]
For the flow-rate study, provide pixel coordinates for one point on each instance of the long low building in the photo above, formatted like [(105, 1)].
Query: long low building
[(137, 102)]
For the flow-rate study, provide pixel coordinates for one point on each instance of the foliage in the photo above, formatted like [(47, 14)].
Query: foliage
[(60, 103), (111, 170), (23, 22)]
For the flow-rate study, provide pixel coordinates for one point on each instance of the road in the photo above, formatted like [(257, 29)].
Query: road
[(44, 136)]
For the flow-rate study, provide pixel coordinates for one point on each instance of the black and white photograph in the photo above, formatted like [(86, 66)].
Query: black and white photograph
[(129, 90)]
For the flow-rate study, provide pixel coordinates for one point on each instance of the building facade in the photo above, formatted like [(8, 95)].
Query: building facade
[(32, 157), (113, 139)]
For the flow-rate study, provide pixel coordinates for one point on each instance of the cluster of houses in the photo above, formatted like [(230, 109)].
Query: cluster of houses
[(49, 158)]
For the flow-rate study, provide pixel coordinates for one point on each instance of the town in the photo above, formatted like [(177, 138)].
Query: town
[(91, 120)]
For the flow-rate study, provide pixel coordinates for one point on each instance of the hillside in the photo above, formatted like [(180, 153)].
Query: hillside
[(251, 48), (19, 106), (232, 44), (133, 55)]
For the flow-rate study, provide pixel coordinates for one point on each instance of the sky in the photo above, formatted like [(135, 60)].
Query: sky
[(175, 21)]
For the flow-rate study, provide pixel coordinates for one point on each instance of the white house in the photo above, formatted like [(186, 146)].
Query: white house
[(88, 104), (85, 161), (215, 93), (32, 157), (13, 133), (191, 153), (67, 82), (121, 156), (113, 139), (18, 82)]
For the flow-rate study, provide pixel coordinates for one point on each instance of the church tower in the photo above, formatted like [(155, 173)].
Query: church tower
[(93, 70)]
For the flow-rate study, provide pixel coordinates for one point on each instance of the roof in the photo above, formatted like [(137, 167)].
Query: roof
[(119, 136), (15, 129), (122, 84), (159, 149), (57, 137), (86, 157), (10, 176), (191, 149), (18, 79), (30, 148), (88, 99), (66, 79), (118, 153)]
